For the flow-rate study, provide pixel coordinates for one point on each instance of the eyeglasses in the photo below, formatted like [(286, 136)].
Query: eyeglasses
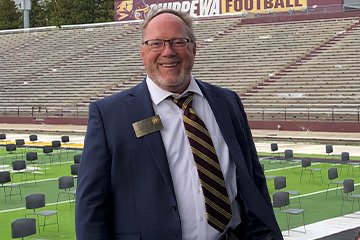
[(159, 44)]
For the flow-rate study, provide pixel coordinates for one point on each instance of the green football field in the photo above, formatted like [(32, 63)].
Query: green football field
[(312, 192)]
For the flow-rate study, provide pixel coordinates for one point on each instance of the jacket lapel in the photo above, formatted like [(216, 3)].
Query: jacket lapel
[(141, 107), (222, 116)]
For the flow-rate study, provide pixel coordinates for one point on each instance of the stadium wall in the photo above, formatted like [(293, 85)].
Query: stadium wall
[(266, 125), (18, 120), (46, 120), (306, 126)]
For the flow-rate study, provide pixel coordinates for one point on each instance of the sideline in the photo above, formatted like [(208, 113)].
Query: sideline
[(321, 229), (23, 208)]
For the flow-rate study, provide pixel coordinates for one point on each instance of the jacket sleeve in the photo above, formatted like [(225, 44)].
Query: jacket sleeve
[(93, 217), (254, 165), (253, 227)]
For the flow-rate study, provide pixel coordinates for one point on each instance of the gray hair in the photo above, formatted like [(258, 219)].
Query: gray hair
[(184, 17)]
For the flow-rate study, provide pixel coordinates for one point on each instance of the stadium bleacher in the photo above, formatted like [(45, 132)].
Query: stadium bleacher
[(326, 78), (273, 66)]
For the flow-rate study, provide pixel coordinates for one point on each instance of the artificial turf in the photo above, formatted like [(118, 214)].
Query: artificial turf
[(312, 193)]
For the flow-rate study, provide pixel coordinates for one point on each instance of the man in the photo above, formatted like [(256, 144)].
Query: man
[(172, 158)]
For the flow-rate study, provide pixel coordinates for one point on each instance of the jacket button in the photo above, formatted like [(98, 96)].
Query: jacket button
[(174, 208)]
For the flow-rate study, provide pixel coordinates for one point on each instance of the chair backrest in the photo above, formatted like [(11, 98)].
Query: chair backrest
[(33, 137), (329, 148), (66, 182), (65, 139), (47, 149), (289, 154), (56, 144), (2, 136), (332, 173), (31, 156), (19, 142), (345, 157), (34, 201), (348, 185), (274, 147), (10, 147), (5, 177), (279, 182), (77, 158), (74, 168), (305, 163), (281, 199), (23, 227), (18, 165)]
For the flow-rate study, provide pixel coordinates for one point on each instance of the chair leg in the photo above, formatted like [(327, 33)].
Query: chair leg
[(287, 222), (57, 200), (327, 191), (301, 174), (34, 173), (69, 197), (67, 149), (337, 186), (4, 194), (322, 180), (303, 215), (57, 222), (38, 223), (44, 223), (311, 176), (20, 192)]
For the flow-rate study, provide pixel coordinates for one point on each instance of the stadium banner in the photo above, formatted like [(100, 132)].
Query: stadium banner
[(126, 10)]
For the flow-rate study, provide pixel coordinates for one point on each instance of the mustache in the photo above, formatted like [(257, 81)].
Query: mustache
[(169, 60)]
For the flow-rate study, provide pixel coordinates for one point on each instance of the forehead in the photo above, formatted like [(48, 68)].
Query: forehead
[(165, 26)]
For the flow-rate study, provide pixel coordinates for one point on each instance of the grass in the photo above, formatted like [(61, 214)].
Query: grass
[(334, 157), (47, 184), (312, 191), (312, 200)]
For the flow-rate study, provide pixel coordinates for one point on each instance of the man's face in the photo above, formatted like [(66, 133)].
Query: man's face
[(169, 68)]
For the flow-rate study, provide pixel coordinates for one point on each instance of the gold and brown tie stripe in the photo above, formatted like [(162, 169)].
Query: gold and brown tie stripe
[(211, 178)]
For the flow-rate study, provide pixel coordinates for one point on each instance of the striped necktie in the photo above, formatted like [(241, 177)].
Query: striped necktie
[(208, 167)]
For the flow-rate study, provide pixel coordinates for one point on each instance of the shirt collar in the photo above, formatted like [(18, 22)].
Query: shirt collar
[(158, 94)]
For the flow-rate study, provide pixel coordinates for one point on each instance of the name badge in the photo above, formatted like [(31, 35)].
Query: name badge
[(147, 125)]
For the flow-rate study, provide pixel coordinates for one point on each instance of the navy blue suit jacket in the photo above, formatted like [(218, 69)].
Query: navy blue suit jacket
[(125, 190)]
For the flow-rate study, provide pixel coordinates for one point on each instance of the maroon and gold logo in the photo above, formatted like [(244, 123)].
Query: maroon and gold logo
[(126, 10)]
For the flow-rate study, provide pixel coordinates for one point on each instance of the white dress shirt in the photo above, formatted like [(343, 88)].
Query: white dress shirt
[(188, 191)]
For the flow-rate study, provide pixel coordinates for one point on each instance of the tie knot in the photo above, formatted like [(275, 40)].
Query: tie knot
[(184, 102)]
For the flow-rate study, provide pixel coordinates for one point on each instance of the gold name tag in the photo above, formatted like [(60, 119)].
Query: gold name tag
[(147, 125)]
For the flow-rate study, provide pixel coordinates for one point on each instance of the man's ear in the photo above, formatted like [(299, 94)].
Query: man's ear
[(194, 49), (142, 53)]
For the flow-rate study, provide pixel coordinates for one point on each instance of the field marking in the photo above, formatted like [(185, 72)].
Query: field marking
[(23, 208), (322, 191)]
